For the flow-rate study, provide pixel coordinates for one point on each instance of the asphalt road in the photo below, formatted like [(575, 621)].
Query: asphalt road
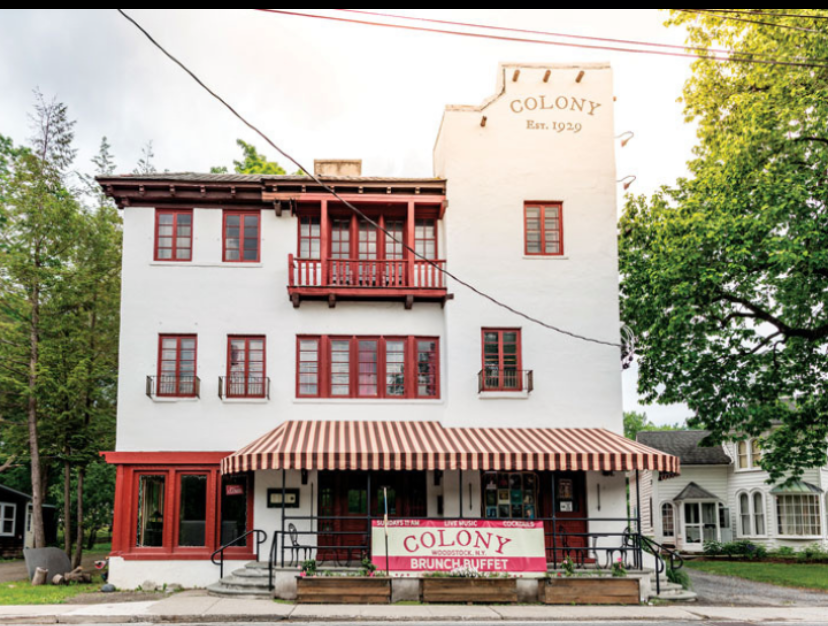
[(726, 591)]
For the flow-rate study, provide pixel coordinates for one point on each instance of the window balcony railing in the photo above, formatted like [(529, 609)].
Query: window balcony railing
[(242, 387), (366, 279), (506, 381), (173, 386)]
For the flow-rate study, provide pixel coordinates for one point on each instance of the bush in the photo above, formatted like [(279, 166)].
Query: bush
[(738, 549), (713, 548), (785, 552), (679, 577), (814, 554)]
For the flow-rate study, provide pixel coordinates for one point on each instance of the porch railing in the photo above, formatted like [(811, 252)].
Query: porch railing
[(260, 537), (366, 274), (507, 380)]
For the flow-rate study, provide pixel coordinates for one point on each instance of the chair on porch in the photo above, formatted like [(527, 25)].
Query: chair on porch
[(296, 548)]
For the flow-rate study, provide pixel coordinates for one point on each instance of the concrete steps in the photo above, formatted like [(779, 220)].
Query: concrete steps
[(670, 592), (250, 582)]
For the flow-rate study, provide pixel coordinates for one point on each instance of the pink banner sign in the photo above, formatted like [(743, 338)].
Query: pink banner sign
[(420, 547)]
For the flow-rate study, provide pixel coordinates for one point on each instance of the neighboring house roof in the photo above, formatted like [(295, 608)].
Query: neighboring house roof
[(799, 487), (19, 494), (694, 492), (686, 445)]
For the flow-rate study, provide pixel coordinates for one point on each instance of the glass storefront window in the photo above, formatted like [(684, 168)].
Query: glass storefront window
[(509, 496), (192, 524), (151, 501)]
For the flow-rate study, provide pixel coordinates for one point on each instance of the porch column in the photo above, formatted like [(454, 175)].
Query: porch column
[(410, 242), (325, 232)]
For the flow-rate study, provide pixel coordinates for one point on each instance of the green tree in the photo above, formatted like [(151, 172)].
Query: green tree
[(635, 423), (725, 274), (253, 163)]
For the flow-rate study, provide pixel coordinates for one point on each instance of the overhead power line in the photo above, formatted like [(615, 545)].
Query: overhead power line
[(713, 58), (358, 212), (713, 13)]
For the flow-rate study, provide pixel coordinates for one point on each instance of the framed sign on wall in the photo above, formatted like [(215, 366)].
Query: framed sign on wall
[(291, 499)]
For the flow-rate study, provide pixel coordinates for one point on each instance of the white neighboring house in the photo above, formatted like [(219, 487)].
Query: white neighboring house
[(724, 495)]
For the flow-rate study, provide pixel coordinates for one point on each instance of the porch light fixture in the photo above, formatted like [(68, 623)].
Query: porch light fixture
[(516, 76), (547, 76), (483, 121), (628, 181), (304, 477), (580, 76), (626, 138)]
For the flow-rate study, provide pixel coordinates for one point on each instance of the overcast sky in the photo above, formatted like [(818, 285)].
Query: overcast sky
[(322, 90)]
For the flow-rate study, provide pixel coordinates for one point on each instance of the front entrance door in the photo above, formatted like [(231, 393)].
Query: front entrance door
[(701, 524)]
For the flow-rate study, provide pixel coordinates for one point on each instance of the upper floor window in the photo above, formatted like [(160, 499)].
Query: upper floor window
[(749, 454), (246, 373), (173, 235), (242, 237), (502, 369), (544, 229), (177, 366), (8, 520), (425, 235), (310, 237), (368, 367)]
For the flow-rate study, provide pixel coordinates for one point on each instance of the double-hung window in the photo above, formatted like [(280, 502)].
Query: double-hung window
[(8, 520), (368, 367), (242, 237), (173, 235), (246, 367), (502, 360), (544, 229), (177, 365)]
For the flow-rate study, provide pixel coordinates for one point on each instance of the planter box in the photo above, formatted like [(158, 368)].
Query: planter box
[(590, 591), (344, 590), (470, 590)]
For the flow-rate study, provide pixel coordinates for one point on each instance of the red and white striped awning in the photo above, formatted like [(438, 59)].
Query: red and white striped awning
[(420, 446)]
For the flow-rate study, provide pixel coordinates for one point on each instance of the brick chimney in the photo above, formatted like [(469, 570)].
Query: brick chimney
[(337, 167)]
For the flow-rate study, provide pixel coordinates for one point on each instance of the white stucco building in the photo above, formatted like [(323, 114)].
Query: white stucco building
[(724, 495), (284, 361)]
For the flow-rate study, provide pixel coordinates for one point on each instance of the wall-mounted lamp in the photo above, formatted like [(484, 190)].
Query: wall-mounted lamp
[(516, 76), (547, 76), (626, 138), (483, 121), (304, 477), (628, 181), (580, 76)]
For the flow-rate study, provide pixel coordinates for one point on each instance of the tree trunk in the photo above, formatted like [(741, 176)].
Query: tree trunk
[(67, 509), (93, 539), (38, 527), (79, 548)]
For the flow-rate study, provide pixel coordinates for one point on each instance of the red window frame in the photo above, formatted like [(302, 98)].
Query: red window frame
[(307, 223), (248, 389), (177, 392), (315, 374), (501, 382), (176, 255), (421, 241), (541, 231), (173, 467), (242, 239), (365, 369)]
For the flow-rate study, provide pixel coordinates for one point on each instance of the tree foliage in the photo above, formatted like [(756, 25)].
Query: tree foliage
[(635, 423), (253, 163), (725, 274)]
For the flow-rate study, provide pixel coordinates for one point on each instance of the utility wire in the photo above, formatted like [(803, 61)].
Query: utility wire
[(543, 33), (356, 211), (762, 13), (737, 59), (710, 13)]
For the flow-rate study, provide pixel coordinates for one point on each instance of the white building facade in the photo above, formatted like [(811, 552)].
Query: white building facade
[(285, 363)]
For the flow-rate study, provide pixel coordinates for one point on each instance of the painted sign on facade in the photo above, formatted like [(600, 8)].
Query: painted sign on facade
[(419, 546)]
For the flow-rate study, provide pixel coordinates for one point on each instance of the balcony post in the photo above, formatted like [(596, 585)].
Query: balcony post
[(325, 227), (411, 242)]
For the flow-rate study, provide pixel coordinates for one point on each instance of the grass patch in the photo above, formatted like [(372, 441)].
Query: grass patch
[(24, 594), (799, 576)]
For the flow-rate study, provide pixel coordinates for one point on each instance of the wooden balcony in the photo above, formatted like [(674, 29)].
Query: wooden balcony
[(367, 280)]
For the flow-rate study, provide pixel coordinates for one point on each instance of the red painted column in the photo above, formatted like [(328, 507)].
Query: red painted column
[(325, 226), (409, 240)]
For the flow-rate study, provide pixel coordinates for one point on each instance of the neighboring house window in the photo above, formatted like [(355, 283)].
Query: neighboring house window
[(668, 521), (756, 453), (749, 454), (759, 525), (744, 455), (8, 519), (502, 360), (799, 515), (173, 235), (544, 229), (246, 375), (310, 238), (746, 517), (368, 367), (242, 237), (177, 366)]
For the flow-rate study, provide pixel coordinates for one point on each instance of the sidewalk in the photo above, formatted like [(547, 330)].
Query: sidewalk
[(198, 607)]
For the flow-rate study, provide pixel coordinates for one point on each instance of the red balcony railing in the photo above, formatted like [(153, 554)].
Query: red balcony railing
[(366, 274)]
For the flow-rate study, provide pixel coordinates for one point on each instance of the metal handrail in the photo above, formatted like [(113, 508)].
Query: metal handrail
[(261, 538), (507, 381), (224, 383), (154, 382), (676, 561)]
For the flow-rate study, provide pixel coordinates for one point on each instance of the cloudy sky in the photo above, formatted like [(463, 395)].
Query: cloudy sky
[(322, 90)]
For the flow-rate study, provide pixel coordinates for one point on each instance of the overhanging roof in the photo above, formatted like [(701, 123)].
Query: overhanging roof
[(798, 488), (694, 492), (409, 446), (686, 444)]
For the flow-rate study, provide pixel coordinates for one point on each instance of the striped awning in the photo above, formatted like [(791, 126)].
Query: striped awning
[(410, 446)]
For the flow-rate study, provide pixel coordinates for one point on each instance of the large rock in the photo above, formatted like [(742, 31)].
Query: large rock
[(52, 560)]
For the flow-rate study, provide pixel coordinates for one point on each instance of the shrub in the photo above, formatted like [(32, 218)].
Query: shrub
[(785, 552), (679, 577), (814, 554), (713, 548)]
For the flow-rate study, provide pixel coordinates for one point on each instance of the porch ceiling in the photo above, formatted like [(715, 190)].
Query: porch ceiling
[(420, 446)]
